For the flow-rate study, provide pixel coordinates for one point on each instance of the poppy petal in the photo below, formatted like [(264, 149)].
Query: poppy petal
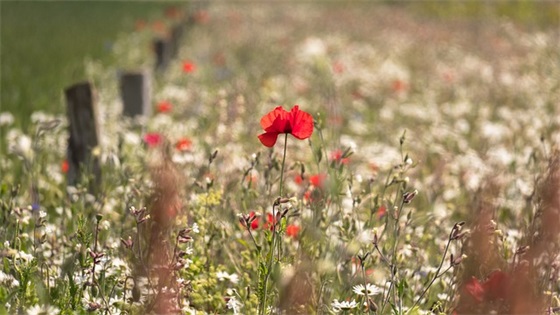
[(268, 138), (269, 119), (475, 289), (301, 123)]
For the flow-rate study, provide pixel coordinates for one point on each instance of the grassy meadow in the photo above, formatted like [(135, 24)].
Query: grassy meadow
[(302, 158), (44, 45)]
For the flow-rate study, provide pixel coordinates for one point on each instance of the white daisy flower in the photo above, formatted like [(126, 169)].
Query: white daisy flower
[(343, 306), (371, 289)]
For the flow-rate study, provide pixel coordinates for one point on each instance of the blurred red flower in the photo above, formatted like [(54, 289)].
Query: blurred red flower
[(338, 67), (495, 287), (318, 180), (159, 27), (152, 139), (201, 17), (475, 289), (295, 122), (139, 25), (336, 155), (292, 230), (270, 222), (381, 212), (255, 223), (164, 107), (65, 166), (399, 86), (172, 12), (184, 144), (188, 67)]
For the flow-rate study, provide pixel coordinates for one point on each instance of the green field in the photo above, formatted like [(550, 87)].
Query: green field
[(44, 45)]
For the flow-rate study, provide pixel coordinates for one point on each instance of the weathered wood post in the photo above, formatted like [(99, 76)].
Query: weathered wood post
[(163, 53), (136, 93), (83, 140)]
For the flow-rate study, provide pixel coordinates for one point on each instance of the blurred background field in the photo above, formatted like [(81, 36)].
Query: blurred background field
[(44, 44)]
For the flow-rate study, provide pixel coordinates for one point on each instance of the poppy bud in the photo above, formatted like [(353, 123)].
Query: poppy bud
[(408, 196), (127, 243)]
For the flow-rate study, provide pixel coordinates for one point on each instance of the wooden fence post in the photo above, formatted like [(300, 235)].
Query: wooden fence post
[(136, 93), (163, 53), (82, 161)]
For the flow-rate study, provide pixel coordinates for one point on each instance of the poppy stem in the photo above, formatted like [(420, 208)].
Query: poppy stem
[(270, 256), (283, 163)]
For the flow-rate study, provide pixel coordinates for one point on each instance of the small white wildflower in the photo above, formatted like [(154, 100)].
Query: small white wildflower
[(105, 225), (42, 214), (233, 278), (90, 198), (24, 256), (43, 310), (343, 306), (21, 145), (371, 289), (233, 304), (8, 280), (195, 228), (6, 119), (132, 138), (442, 296)]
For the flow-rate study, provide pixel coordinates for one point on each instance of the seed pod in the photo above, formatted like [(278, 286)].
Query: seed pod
[(408, 196)]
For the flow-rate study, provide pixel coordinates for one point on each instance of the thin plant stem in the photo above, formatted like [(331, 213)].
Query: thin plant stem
[(437, 274), (270, 256), (283, 163)]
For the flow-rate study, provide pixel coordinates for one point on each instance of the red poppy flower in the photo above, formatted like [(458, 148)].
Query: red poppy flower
[(172, 12), (337, 156), (188, 67), (158, 27), (139, 25), (298, 179), (475, 289), (164, 107), (318, 180), (399, 86), (296, 122), (152, 139), (381, 212), (65, 166), (307, 195), (270, 222), (255, 223), (201, 17), (338, 67), (252, 179), (292, 230), (183, 144), (496, 286)]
